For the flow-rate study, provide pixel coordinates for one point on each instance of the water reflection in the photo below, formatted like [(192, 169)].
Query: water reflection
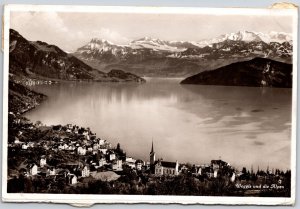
[(244, 126)]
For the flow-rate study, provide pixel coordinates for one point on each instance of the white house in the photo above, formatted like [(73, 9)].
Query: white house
[(130, 160), (52, 171), (65, 146), (33, 169), (17, 141), (24, 146), (85, 171), (43, 161), (85, 133), (112, 156), (199, 170), (101, 142), (72, 179), (30, 144), (232, 178), (139, 164), (102, 162), (215, 173), (95, 146), (117, 165), (72, 147), (81, 151)]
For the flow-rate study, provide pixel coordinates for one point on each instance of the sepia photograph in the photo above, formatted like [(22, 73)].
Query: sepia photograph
[(149, 105)]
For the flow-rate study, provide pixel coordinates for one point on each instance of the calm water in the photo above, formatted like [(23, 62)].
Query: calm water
[(189, 123)]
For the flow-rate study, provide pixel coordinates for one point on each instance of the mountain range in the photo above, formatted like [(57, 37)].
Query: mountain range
[(155, 57), (39, 60)]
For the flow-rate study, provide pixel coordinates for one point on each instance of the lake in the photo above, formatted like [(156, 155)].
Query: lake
[(245, 126)]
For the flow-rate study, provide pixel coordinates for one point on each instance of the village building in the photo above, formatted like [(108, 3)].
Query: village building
[(90, 149), (129, 161), (139, 164), (101, 142), (71, 147), (52, 171), (102, 162), (32, 169), (85, 133), (61, 147), (117, 165), (96, 146), (24, 146), (31, 144), (43, 161), (217, 166), (183, 168), (112, 156), (65, 146), (72, 179), (81, 150), (162, 167), (198, 171), (85, 172), (17, 140), (166, 168), (232, 178), (104, 151)]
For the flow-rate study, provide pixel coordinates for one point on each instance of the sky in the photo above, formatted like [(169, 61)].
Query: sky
[(70, 31)]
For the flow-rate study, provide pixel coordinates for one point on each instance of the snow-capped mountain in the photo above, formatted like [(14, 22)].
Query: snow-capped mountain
[(157, 44), (101, 45), (154, 53), (247, 36), (179, 46)]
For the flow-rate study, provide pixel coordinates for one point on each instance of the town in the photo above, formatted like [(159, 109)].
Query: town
[(72, 159)]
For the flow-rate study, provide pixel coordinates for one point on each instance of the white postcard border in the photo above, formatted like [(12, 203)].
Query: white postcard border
[(80, 199)]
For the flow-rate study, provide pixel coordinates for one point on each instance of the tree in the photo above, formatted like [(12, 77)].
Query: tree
[(38, 123)]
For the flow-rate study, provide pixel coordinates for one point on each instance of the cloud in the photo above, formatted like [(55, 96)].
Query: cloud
[(110, 35), (46, 26), (29, 22), (51, 28)]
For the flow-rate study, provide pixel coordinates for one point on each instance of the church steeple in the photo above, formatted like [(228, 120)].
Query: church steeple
[(152, 155), (152, 150)]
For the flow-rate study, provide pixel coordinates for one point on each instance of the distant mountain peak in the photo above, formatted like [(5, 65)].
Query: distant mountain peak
[(250, 36), (100, 41), (142, 56)]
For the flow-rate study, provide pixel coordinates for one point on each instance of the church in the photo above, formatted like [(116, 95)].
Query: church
[(160, 167)]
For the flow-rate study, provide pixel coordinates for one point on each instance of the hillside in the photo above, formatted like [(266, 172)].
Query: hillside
[(21, 99), (255, 72), (39, 60)]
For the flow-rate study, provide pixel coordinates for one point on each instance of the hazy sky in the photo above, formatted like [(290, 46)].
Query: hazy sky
[(72, 30)]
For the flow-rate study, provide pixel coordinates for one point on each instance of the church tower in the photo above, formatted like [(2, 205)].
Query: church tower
[(152, 155)]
